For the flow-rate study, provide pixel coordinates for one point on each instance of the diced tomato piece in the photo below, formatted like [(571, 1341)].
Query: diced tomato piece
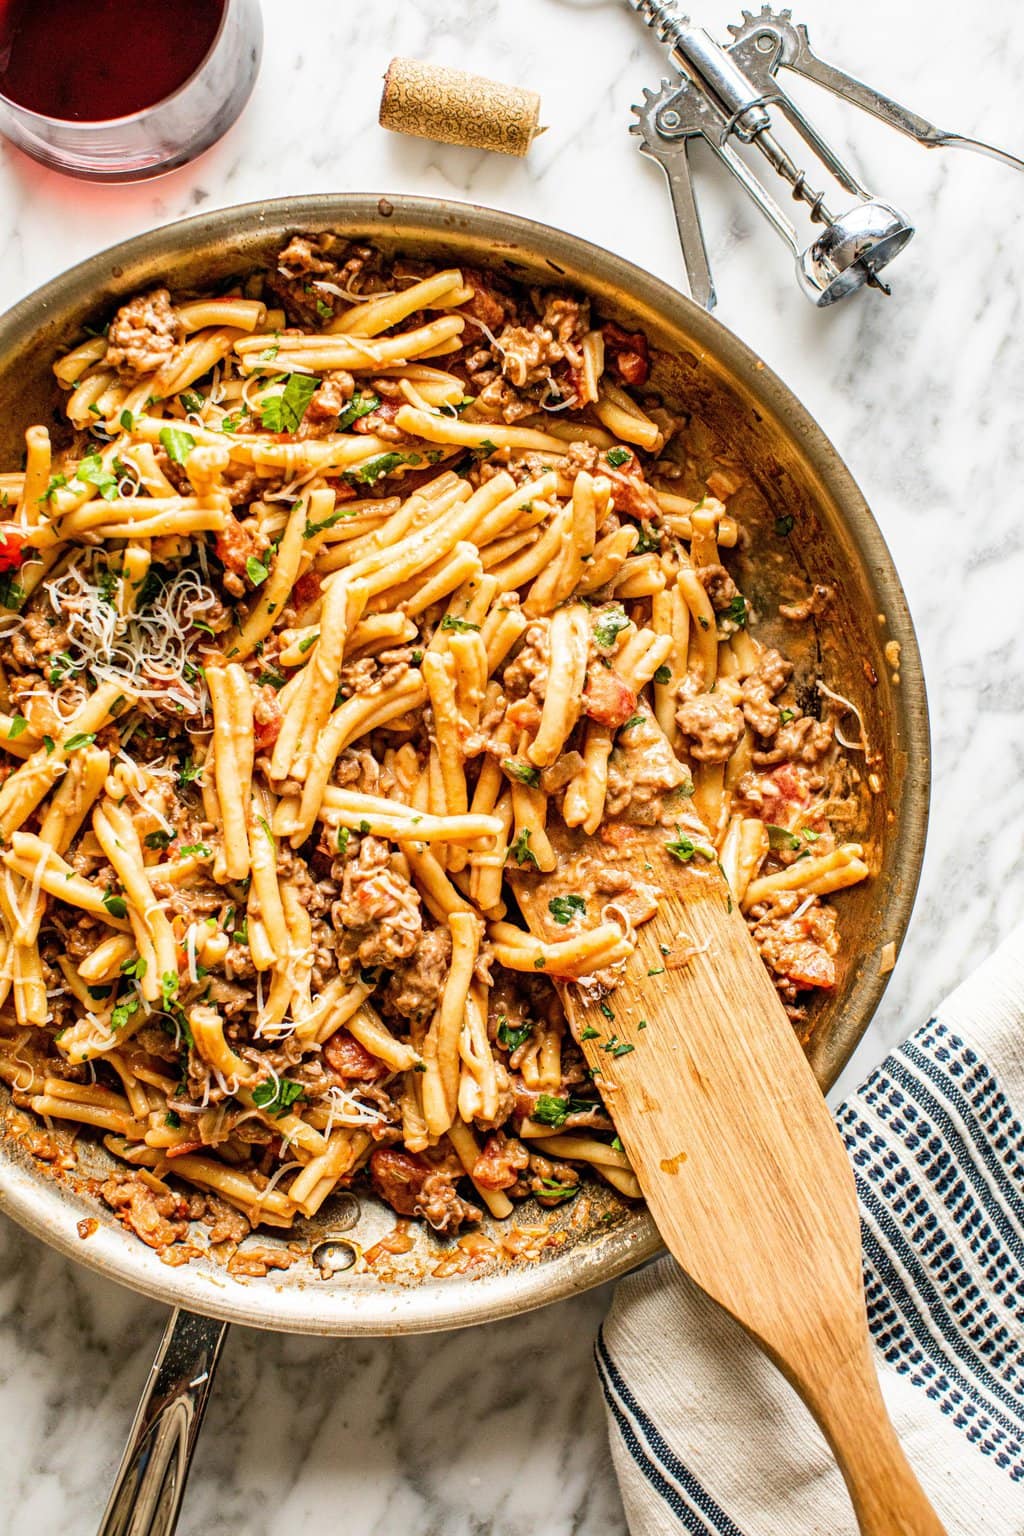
[(606, 698), (398, 1178), (628, 351), (12, 552), (808, 965), (234, 545), (306, 590), (346, 1057)]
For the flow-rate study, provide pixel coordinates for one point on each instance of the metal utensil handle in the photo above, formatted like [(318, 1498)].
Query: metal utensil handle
[(150, 1482)]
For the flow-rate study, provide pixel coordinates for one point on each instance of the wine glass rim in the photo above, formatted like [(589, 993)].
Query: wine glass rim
[(86, 123)]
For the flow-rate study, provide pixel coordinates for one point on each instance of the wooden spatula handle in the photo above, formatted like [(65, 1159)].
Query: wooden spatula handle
[(887, 1498)]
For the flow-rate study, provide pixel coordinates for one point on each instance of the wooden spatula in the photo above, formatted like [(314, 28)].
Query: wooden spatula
[(733, 1145)]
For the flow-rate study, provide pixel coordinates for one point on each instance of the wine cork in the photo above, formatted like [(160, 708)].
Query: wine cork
[(453, 107)]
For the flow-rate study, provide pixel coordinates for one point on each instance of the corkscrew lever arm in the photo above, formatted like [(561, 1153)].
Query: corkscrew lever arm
[(803, 61)]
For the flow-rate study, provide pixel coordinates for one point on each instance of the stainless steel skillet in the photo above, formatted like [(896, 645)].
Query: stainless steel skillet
[(737, 407)]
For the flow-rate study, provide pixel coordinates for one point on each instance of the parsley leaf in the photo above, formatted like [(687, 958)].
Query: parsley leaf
[(618, 456), (526, 773), (91, 471), (781, 838), (684, 848), (784, 525), (276, 1097), (381, 464), (81, 739), (550, 1110), (312, 529), (511, 1037), (609, 626), (461, 626), (158, 840), (359, 405), (663, 674), (521, 851), (343, 837), (786, 715), (564, 908), (127, 420), (136, 968), (256, 571), (115, 905), (633, 720), (176, 444), (284, 412), (737, 611), (121, 1015), (18, 725), (550, 1189)]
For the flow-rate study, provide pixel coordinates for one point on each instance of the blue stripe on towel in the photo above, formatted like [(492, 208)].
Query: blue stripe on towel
[(662, 1452)]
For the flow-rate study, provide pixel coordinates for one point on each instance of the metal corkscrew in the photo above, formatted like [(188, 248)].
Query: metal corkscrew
[(725, 95)]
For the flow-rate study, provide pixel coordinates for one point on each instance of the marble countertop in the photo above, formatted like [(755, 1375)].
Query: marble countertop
[(923, 396)]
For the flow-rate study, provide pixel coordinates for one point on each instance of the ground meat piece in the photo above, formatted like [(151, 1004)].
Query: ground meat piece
[(144, 335), (606, 698), (718, 584), (414, 988), (228, 996), (412, 1186), (628, 353), (713, 725), (309, 262), (550, 1181), (226, 1225), (40, 634), (511, 404), (769, 678), (805, 740), (501, 1161), (630, 491), (528, 671), (378, 897), (487, 304), (331, 398), (258, 1262), (641, 773), (236, 544), (159, 1219), (815, 602), (798, 950), (374, 674), (351, 1061)]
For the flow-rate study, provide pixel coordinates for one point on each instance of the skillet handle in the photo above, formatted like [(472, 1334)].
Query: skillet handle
[(151, 1479)]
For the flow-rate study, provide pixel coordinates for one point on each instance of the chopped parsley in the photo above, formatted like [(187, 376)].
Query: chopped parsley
[(308, 643), (663, 674), (276, 1097), (173, 1119), (127, 420), (123, 1012), (17, 726), (786, 715), (606, 1009), (158, 840), (608, 626), (590, 1033), (49, 744), (684, 848), (784, 525), (381, 464), (550, 1110), (191, 400), (564, 908), (618, 456), (623, 1049), (54, 486), (284, 412), (343, 836), (526, 773), (176, 443), (92, 472), (135, 969), (736, 612), (633, 720), (81, 739), (115, 905), (550, 1189), (311, 529), (521, 851), (12, 593), (649, 541), (512, 1037), (199, 850), (256, 571), (265, 826), (359, 405), (189, 772), (781, 838), (461, 626)]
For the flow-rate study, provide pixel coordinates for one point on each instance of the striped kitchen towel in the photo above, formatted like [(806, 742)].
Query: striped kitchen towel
[(707, 1437)]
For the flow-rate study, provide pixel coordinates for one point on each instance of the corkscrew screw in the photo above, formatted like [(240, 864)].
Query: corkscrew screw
[(725, 95)]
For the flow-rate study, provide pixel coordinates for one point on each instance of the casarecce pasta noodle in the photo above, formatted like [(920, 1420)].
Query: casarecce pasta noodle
[(338, 594)]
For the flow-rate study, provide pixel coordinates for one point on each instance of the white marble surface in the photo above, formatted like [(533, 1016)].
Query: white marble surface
[(922, 394)]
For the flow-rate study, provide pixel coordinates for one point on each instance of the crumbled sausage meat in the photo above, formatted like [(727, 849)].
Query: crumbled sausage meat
[(713, 725), (379, 903), (144, 335), (798, 949), (770, 676)]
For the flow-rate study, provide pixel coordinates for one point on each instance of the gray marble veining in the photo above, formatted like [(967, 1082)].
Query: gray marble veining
[(503, 1435)]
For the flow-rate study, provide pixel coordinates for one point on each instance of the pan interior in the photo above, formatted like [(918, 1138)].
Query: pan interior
[(738, 411)]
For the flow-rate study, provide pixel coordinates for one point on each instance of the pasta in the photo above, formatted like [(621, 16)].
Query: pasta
[(353, 585)]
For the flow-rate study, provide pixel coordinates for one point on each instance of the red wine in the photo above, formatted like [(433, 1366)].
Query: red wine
[(92, 60)]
